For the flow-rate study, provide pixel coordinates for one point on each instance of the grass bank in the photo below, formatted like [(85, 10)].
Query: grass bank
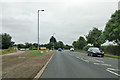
[(10, 50), (105, 54)]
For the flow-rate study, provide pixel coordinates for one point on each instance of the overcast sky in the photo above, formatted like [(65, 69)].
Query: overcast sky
[(68, 19)]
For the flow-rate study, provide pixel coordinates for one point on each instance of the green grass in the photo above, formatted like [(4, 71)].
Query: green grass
[(82, 51), (10, 50), (105, 54), (37, 53), (0, 52), (111, 55)]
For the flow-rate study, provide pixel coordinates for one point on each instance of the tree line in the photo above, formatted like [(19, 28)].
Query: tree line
[(7, 42), (95, 37)]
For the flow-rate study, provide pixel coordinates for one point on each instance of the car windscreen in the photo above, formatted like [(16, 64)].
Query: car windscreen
[(96, 50)]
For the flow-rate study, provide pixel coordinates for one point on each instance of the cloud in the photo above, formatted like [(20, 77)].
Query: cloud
[(68, 19)]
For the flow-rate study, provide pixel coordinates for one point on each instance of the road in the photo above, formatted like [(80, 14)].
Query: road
[(66, 64)]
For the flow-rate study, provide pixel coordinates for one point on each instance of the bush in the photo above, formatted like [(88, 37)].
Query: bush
[(112, 49), (86, 48), (9, 50)]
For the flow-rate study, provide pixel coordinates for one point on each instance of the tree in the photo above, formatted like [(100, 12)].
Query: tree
[(49, 45), (6, 41), (67, 46), (80, 43), (95, 37), (21, 46), (112, 29), (52, 39), (60, 44), (28, 45), (75, 44), (56, 45), (35, 44)]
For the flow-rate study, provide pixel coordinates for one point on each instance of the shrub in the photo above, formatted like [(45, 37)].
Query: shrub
[(112, 49), (86, 48), (9, 50)]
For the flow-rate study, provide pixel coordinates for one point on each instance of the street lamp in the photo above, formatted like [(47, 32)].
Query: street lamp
[(38, 27)]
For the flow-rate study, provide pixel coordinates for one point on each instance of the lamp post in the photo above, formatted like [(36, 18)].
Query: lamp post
[(38, 27)]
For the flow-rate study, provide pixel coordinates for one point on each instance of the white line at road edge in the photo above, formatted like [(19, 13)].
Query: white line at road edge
[(111, 71), (39, 74)]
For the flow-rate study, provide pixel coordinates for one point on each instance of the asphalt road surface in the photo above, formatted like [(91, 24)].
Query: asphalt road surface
[(66, 64)]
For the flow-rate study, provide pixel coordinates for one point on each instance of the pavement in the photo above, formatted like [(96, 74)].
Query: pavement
[(67, 64)]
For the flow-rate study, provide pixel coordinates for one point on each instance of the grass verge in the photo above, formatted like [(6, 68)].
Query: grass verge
[(105, 54), (111, 55), (25, 65), (38, 53), (10, 50), (82, 51), (0, 52)]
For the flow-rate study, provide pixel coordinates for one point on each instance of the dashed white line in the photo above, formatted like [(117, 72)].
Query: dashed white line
[(102, 64), (84, 60), (77, 57)]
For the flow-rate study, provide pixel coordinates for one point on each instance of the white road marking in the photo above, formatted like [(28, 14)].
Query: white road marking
[(113, 69), (84, 60), (95, 60), (102, 64), (109, 70), (98, 61), (77, 57)]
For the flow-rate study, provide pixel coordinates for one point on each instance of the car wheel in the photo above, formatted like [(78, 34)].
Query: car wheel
[(88, 54), (92, 55), (102, 55)]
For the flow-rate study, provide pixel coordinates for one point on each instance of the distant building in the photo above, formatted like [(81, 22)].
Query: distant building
[(42, 48)]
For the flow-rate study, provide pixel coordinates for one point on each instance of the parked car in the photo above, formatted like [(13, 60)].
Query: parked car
[(71, 49), (94, 52), (59, 49)]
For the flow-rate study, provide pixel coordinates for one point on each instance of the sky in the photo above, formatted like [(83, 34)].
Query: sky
[(68, 19)]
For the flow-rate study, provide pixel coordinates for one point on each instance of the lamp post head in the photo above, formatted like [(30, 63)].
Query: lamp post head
[(41, 10)]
